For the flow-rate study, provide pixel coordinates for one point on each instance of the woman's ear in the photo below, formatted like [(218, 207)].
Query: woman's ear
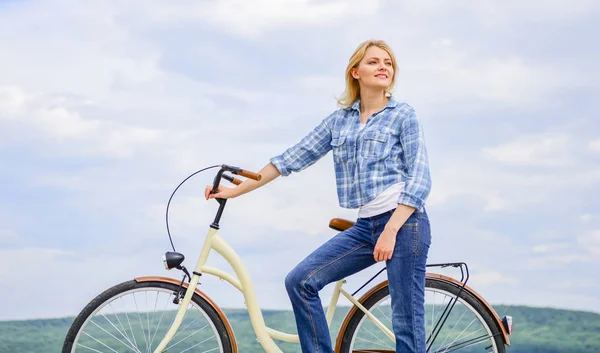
[(354, 73)]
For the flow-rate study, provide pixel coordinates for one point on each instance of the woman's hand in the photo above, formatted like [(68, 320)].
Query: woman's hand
[(385, 245), (387, 240), (223, 193)]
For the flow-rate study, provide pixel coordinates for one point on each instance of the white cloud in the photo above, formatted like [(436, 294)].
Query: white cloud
[(507, 12), (594, 146), (8, 237), (566, 250), (554, 261), (532, 150), (546, 248), (11, 100), (586, 217), (60, 123), (251, 19), (449, 73), (72, 278), (57, 120), (571, 284), (490, 277), (466, 180), (590, 243)]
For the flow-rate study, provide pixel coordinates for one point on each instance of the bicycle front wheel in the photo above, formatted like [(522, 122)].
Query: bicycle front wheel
[(135, 316), (469, 328)]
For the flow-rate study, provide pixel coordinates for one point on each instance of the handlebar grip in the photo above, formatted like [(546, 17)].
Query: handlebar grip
[(231, 179), (235, 181), (249, 175)]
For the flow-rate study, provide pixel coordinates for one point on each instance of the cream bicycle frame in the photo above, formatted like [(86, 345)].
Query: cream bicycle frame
[(243, 283)]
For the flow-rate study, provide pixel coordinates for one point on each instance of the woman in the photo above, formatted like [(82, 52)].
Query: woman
[(382, 169)]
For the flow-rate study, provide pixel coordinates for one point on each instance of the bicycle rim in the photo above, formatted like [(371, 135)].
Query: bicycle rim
[(136, 320), (464, 331)]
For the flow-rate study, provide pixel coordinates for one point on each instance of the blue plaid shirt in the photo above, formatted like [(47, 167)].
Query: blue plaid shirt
[(389, 149)]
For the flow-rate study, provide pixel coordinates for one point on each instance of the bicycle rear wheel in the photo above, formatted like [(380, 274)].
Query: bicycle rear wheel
[(134, 317), (469, 328)]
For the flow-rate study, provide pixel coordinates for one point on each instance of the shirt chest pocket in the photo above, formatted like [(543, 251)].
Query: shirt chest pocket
[(339, 146), (375, 145)]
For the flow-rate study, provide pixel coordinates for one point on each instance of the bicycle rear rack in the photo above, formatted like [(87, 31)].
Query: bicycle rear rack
[(463, 279)]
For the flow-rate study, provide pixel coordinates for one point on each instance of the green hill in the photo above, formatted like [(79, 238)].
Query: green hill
[(536, 330)]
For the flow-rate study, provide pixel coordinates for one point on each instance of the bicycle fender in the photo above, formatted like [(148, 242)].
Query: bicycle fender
[(202, 295)]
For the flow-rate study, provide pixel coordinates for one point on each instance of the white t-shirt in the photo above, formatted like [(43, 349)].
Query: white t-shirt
[(385, 201)]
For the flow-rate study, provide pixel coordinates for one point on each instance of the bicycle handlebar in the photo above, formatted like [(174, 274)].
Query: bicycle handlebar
[(248, 174), (234, 170), (231, 179)]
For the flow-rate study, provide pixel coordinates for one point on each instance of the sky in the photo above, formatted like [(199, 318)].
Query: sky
[(106, 106)]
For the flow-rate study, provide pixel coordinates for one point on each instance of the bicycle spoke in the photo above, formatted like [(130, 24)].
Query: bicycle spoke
[(86, 347), (187, 349), (183, 329), (131, 328), (462, 332), (148, 319), (140, 317), (366, 340), (470, 334), (161, 316), (120, 324), (433, 312), (464, 344), (119, 331), (111, 335), (435, 321), (384, 315), (210, 350), (191, 334), (377, 338), (453, 327), (94, 338)]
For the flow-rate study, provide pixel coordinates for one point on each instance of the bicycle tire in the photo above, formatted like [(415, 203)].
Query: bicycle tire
[(350, 341), (118, 331)]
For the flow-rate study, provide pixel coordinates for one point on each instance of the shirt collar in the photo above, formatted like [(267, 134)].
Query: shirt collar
[(390, 104)]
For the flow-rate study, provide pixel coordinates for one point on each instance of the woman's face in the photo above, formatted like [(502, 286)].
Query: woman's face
[(375, 69)]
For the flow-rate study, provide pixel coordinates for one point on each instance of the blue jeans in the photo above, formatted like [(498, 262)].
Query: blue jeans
[(351, 251)]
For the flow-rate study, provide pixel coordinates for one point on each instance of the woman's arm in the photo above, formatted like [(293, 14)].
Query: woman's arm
[(416, 189), (387, 240), (268, 173), (296, 158), (418, 179)]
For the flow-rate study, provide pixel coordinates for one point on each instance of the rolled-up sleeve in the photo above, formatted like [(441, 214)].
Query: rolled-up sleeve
[(418, 178), (306, 152)]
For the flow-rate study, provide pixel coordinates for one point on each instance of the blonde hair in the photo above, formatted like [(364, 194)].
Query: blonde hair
[(352, 92)]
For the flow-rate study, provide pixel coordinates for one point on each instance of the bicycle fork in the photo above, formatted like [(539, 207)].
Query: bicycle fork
[(185, 302)]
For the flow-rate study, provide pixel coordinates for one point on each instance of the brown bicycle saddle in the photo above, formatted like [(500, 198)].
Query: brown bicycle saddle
[(340, 224)]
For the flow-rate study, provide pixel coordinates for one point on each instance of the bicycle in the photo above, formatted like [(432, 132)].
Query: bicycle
[(132, 316)]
